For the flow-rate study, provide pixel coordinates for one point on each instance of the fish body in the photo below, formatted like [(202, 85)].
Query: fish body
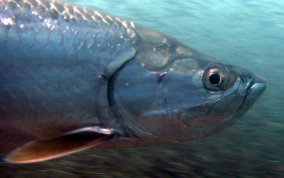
[(74, 75)]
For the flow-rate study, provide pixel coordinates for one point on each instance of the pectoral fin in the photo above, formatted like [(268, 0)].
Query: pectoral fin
[(71, 142)]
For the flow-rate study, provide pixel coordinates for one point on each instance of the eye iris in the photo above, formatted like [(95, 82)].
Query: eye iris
[(215, 79)]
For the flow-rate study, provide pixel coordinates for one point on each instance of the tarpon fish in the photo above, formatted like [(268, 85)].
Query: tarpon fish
[(72, 78)]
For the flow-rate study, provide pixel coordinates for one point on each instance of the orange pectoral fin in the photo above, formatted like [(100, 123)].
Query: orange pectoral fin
[(71, 142)]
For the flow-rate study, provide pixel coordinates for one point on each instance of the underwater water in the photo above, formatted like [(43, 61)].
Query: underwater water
[(247, 33)]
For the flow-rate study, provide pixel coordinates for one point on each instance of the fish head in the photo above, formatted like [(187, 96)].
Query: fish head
[(205, 100), (177, 94)]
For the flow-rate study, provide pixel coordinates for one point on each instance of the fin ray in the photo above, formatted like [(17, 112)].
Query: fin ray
[(43, 150)]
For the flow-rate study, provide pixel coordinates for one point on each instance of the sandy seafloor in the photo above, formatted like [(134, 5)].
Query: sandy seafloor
[(248, 33)]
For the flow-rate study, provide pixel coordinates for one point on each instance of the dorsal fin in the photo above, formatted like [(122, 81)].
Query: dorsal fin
[(71, 142)]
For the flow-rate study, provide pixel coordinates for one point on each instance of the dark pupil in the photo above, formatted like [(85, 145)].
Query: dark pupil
[(214, 79)]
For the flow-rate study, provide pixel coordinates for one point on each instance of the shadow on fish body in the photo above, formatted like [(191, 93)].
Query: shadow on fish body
[(75, 79)]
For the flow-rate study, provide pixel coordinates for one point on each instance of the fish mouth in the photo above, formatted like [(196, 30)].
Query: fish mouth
[(255, 89)]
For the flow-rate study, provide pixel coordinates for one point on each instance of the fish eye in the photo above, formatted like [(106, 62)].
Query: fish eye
[(214, 79)]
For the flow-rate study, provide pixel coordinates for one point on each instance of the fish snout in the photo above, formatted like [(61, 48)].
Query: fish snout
[(255, 85), (247, 76), (258, 84)]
